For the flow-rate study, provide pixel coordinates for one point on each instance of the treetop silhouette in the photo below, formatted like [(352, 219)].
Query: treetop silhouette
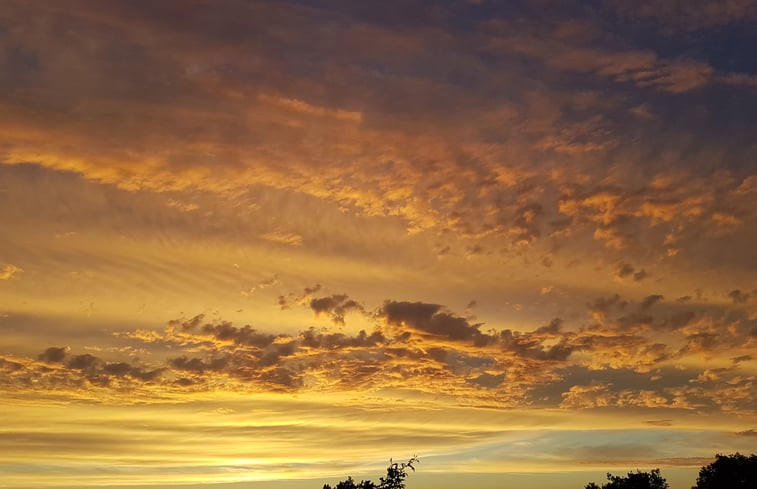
[(395, 477), (726, 472), (729, 472), (634, 480)]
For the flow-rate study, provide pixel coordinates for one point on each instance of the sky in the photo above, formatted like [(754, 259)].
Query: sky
[(267, 244)]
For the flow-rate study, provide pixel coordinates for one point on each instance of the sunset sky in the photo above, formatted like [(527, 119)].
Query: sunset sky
[(270, 244)]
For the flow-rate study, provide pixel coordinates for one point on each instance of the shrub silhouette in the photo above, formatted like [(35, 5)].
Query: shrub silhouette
[(729, 472), (395, 478), (634, 480)]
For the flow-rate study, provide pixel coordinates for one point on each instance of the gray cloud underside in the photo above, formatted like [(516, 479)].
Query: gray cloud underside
[(623, 355)]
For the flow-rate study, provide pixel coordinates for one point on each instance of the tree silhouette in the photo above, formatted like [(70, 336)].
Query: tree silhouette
[(729, 472), (395, 478), (634, 480)]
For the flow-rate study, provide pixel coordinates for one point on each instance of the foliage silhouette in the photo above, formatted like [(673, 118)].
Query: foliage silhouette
[(729, 472), (395, 478), (634, 480)]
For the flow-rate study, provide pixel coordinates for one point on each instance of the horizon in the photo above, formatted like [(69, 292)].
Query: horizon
[(270, 243)]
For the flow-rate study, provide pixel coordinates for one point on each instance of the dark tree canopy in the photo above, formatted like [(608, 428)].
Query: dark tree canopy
[(395, 478), (634, 480), (729, 472)]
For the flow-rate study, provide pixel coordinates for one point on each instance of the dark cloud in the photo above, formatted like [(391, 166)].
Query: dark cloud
[(640, 275), (634, 320), (84, 369), (552, 328), (679, 319), (117, 368), (672, 16), (123, 369), (604, 305), (650, 300), (10, 365), (613, 362), (189, 324), (198, 365), (83, 362), (274, 353), (701, 342), (308, 291), (336, 306), (431, 319), (529, 345), (225, 332), (624, 270), (245, 335), (487, 380), (739, 297), (311, 338), (282, 378), (53, 354)]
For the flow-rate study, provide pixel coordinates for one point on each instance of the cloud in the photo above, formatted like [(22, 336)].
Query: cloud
[(427, 349), (336, 306), (695, 15), (532, 346), (245, 335), (78, 376), (650, 300), (626, 270), (660, 422), (85, 362), (54, 354), (640, 275), (601, 306), (311, 338), (337, 143), (739, 297), (263, 284), (747, 433), (680, 319), (304, 298), (10, 365), (311, 110), (601, 395), (283, 237), (197, 365), (487, 380), (431, 319), (643, 68), (8, 271)]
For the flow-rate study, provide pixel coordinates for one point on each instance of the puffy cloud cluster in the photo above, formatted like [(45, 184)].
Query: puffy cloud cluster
[(628, 353)]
